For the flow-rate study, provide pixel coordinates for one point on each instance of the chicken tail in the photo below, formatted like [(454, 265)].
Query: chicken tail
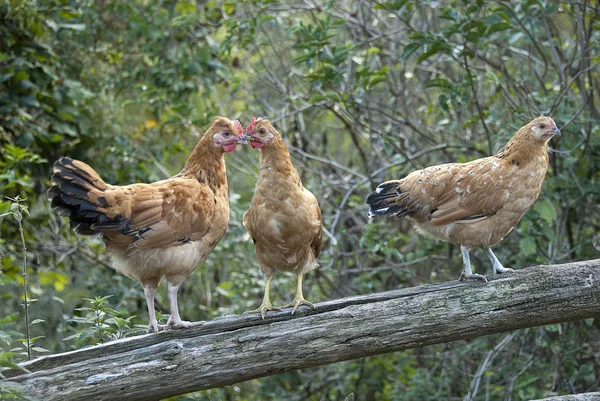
[(77, 191), (387, 199)]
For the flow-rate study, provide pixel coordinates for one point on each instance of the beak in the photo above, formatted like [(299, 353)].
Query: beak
[(243, 140), (556, 131), (248, 136)]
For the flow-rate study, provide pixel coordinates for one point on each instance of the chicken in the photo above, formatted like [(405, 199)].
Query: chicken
[(165, 228), (284, 219), (473, 204)]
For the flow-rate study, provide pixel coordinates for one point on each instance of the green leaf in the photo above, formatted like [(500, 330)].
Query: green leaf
[(6, 76), (375, 79), (333, 96), (29, 101), (24, 209), (432, 49), (497, 27), (317, 97), (527, 245), (266, 18), (72, 337), (65, 129), (54, 278), (185, 8), (229, 7), (439, 83), (409, 49), (69, 13), (546, 210)]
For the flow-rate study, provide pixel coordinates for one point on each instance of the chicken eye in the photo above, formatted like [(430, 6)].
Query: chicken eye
[(262, 131), (542, 125), (226, 133)]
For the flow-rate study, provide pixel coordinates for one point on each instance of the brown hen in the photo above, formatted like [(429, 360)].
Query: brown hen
[(284, 219), (165, 228), (473, 204)]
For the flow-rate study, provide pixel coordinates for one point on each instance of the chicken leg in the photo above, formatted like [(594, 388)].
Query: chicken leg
[(175, 321), (149, 291), (299, 298), (498, 268), (266, 302), (468, 273)]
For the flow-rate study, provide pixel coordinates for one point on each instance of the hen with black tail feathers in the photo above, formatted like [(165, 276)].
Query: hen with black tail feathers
[(474, 204), (162, 229)]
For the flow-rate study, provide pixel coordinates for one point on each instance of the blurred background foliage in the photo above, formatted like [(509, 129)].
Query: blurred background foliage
[(362, 91)]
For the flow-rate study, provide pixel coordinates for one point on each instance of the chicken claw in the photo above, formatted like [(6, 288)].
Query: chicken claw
[(473, 276), (467, 272), (498, 268), (297, 302), (171, 325), (266, 303), (264, 308), (176, 325), (299, 298)]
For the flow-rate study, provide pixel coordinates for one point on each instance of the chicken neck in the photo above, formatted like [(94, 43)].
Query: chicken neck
[(276, 157), (522, 150), (206, 163)]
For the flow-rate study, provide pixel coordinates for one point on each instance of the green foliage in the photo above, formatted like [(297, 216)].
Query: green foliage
[(362, 93), (10, 390), (104, 323), (41, 106)]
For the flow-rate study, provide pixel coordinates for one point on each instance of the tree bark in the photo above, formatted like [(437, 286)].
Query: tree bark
[(574, 397), (233, 349)]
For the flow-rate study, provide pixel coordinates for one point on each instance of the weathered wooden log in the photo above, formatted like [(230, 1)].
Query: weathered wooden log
[(233, 349), (574, 397)]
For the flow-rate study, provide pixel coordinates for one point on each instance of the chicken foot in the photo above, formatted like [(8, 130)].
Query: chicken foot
[(498, 268), (299, 298), (468, 273), (266, 304), (175, 321)]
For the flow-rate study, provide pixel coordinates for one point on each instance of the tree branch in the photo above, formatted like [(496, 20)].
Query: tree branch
[(574, 397), (232, 349)]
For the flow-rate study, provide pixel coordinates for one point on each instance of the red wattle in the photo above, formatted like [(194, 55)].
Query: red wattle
[(229, 148), (256, 144)]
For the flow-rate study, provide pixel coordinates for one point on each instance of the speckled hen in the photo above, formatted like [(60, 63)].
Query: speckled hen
[(162, 229), (473, 204)]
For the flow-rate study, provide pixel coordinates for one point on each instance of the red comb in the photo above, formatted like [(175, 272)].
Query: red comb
[(250, 127), (238, 127)]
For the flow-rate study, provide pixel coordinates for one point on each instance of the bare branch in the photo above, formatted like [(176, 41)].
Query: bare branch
[(232, 349)]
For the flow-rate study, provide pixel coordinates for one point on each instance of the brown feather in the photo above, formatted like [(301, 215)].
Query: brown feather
[(284, 218), (476, 203), (165, 228)]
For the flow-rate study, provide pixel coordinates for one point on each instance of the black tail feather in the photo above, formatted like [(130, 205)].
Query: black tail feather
[(385, 200), (70, 195)]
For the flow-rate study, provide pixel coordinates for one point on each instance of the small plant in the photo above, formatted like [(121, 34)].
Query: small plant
[(105, 323), (17, 209), (9, 390)]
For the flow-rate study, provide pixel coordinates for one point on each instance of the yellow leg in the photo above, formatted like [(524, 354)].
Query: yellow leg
[(266, 303), (299, 298)]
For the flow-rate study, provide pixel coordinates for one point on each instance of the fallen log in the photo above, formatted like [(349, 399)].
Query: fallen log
[(233, 349), (574, 397)]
